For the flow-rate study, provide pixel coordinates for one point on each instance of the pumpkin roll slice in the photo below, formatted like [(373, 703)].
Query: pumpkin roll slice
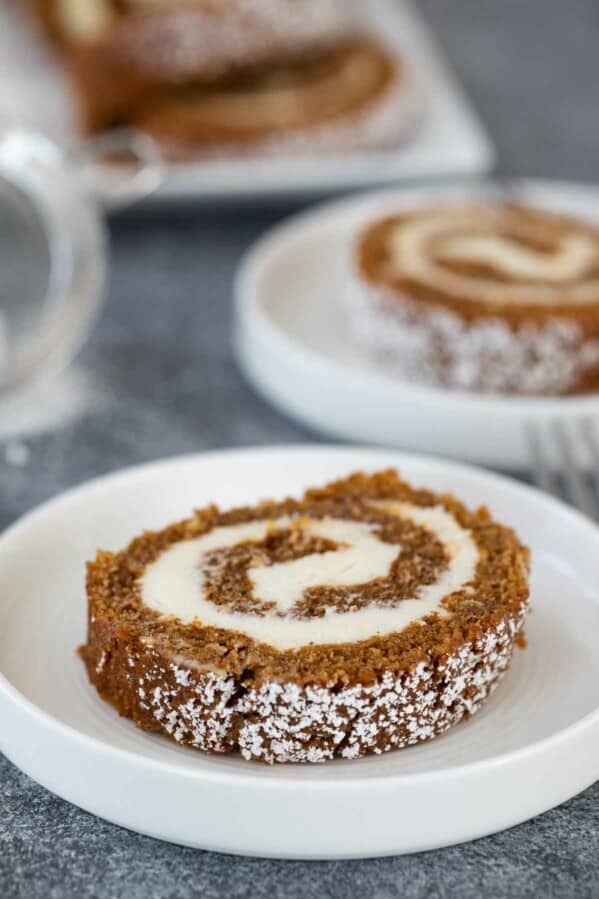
[(489, 297), (123, 54), (364, 617), (356, 95)]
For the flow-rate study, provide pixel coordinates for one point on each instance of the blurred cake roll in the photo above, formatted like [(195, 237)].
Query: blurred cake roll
[(122, 52), (215, 77), (490, 297), (350, 97)]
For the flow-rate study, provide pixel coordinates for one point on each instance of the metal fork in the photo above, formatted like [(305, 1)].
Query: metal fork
[(565, 459)]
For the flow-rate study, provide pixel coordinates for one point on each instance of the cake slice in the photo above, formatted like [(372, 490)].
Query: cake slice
[(496, 297), (226, 78), (351, 96), (223, 77), (364, 617)]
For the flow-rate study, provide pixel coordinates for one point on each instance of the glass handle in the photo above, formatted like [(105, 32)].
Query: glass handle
[(119, 167)]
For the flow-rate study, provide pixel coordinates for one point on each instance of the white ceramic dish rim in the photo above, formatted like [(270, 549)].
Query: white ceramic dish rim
[(257, 257), (357, 782)]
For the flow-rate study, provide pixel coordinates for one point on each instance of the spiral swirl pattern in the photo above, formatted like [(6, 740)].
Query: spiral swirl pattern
[(495, 254), (356, 555)]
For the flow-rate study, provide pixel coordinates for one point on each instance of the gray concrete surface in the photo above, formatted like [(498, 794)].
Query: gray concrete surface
[(158, 379)]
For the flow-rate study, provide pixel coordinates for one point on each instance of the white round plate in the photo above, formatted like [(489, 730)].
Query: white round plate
[(293, 343), (533, 745)]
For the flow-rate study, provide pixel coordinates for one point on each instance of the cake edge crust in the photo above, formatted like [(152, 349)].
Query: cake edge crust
[(287, 722), (436, 346)]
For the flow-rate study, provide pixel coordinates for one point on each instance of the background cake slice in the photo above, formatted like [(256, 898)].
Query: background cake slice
[(209, 78), (490, 297), (364, 617), (353, 95)]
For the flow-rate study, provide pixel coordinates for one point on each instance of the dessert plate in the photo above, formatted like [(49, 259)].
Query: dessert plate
[(447, 140), (293, 344), (534, 744)]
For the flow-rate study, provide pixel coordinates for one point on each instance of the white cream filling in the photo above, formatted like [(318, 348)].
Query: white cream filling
[(174, 583), (420, 247), (360, 558), (279, 105), (573, 256), (84, 19)]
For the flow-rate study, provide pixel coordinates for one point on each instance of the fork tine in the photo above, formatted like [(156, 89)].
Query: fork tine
[(589, 430), (575, 479), (543, 475)]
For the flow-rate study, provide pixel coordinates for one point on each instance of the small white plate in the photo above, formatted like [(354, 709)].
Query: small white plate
[(293, 343), (533, 745), (449, 139)]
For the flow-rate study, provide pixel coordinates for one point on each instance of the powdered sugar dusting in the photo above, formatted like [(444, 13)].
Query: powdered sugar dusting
[(286, 722), (433, 345), (204, 40)]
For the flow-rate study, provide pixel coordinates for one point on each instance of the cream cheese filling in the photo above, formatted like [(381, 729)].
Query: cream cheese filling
[(173, 584), (272, 104), (419, 249), (84, 19)]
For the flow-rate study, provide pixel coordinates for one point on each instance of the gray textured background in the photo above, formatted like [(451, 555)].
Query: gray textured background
[(162, 382)]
